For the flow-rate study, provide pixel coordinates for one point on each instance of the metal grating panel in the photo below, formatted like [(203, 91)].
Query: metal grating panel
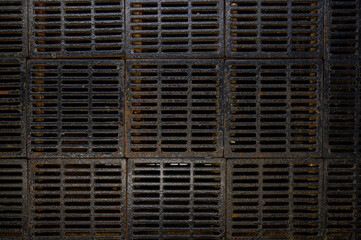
[(68, 28), (176, 199), (343, 38), (12, 108), (174, 108), (342, 109), (77, 199), (273, 108), (274, 199), (280, 28), (13, 28), (76, 108), (13, 199), (177, 28), (343, 199)]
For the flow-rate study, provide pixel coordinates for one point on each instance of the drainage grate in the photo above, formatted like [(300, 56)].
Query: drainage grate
[(63, 28), (342, 109), (176, 199), (273, 108), (343, 194), (13, 28), (343, 39), (77, 199), (76, 108), (12, 108), (277, 28), (174, 108), (178, 28), (274, 199), (13, 199)]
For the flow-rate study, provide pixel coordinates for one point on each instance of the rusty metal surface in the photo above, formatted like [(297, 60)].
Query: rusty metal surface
[(13, 199), (176, 199), (76, 108), (77, 199), (12, 108)]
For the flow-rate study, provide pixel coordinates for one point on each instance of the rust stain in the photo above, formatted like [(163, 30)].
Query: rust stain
[(4, 92), (234, 215)]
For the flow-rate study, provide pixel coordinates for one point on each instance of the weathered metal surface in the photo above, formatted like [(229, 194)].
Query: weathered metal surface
[(174, 108), (273, 108), (77, 199), (176, 198), (175, 29), (75, 108)]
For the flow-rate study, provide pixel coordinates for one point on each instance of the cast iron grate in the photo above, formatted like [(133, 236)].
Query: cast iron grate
[(342, 109), (343, 39), (174, 108), (177, 28), (75, 108), (69, 28), (280, 28), (176, 199), (342, 199), (273, 108), (12, 108), (13, 199), (13, 28), (274, 199), (77, 199)]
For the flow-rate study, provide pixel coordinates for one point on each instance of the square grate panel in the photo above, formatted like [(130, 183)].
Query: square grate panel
[(343, 35), (280, 28), (176, 199), (178, 28), (12, 108), (13, 28), (174, 108), (13, 199), (69, 28), (273, 108), (342, 199), (77, 199), (76, 108), (274, 199), (342, 109)]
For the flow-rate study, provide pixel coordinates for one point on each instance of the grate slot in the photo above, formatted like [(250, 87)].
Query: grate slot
[(77, 199), (177, 28), (259, 28), (274, 199), (13, 199), (343, 38), (273, 108), (12, 108), (174, 108), (176, 199), (342, 199), (62, 28), (342, 109), (76, 108)]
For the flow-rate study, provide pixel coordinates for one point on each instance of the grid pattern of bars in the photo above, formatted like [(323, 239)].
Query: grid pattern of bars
[(12, 108), (178, 28), (342, 117), (280, 28), (273, 108), (13, 28), (174, 108), (76, 28), (13, 199), (77, 199), (76, 108), (274, 199), (343, 22), (343, 199), (176, 199)]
